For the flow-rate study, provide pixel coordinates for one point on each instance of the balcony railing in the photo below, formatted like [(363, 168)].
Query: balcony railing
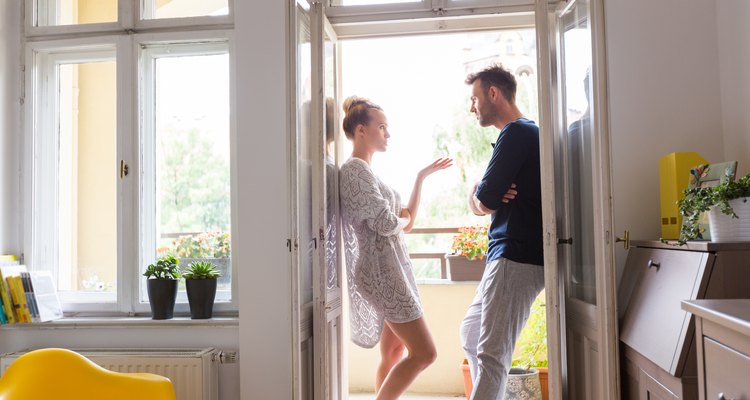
[(433, 256), (440, 256)]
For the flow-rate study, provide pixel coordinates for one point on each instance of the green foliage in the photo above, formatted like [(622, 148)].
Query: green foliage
[(201, 270), (166, 267), (202, 245), (471, 242), (193, 183), (531, 347), (698, 200)]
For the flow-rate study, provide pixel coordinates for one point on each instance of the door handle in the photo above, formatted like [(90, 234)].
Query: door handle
[(565, 241), (625, 239)]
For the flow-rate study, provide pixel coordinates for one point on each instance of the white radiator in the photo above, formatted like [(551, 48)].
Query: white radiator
[(194, 372)]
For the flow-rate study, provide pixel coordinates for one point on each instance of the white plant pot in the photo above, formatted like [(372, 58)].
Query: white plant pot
[(724, 228), (523, 384)]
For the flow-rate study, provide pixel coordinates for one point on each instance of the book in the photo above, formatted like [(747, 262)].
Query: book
[(19, 298), (28, 289), (3, 318), (45, 296), (8, 267), (11, 276)]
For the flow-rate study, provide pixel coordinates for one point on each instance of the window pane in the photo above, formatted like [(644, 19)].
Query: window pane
[(74, 12), (87, 191), (370, 2), (192, 198), (157, 9)]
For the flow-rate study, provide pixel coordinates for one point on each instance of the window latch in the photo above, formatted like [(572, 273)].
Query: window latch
[(124, 169)]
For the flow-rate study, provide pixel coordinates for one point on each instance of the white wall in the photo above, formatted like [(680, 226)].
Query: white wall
[(262, 193), (734, 70), (664, 97), (10, 58)]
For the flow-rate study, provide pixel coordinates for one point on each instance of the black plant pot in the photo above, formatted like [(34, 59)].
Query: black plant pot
[(201, 294), (162, 294)]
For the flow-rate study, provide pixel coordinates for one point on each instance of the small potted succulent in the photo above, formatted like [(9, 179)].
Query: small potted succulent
[(469, 249), (200, 283), (163, 277)]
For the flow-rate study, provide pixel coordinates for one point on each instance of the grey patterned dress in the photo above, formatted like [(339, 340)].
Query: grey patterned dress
[(379, 272)]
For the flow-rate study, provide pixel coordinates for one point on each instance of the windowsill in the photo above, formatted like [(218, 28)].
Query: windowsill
[(127, 322)]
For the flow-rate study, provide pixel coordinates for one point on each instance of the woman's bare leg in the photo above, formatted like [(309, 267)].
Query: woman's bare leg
[(418, 341), (391, 352)]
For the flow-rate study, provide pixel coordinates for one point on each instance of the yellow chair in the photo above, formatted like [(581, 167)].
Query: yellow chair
[(60, 374)]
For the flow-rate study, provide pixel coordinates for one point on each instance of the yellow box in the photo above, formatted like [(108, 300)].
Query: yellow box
[(674, 173)]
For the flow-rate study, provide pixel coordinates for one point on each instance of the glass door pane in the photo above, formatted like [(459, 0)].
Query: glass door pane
[(75, 12), (187, 184), (331, 164), (370, 2), (304, 159), (87, 186), (158, 9), (579, 115)]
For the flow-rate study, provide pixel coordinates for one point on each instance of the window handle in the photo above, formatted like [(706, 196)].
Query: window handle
[(124, 169), (625, 239)]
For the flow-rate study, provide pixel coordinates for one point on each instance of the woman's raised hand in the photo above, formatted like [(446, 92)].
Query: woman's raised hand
[(437, 165)]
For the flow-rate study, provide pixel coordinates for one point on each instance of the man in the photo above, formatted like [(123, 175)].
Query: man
[(514, 275)]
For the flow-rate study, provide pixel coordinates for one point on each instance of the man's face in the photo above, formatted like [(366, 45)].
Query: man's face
[(481, 105)]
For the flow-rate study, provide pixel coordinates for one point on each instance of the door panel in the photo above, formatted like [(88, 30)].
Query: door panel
[(327, 324), (303, 243), (583, 253)]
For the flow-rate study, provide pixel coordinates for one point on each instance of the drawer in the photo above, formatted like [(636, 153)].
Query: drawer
[(727, 372), (654, 323)]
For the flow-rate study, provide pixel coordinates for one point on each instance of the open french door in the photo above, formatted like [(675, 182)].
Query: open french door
[(328, 350), (303, 244), (579, 253), (318, 363)]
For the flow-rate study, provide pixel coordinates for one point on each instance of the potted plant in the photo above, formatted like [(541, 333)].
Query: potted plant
[(162, 286), (213, 247), (728, 211), (528, 374), (531, 347), (469, 248), (200, 283)]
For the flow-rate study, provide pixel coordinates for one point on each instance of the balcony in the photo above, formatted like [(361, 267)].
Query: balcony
[(445, 303)]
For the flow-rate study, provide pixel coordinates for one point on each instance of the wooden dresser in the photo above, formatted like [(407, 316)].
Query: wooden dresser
[(657, 335), (722, 334)]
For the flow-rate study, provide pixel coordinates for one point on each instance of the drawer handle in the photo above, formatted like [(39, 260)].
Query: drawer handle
[(654, 264), (722, 397)]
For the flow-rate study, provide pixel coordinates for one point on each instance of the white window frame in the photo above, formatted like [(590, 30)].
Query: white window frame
[(41, 161), (120, 41), (338, 14), (148, 47), (130, 16)]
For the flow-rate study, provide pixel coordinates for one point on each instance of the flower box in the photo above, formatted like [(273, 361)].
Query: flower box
[(462, 269)]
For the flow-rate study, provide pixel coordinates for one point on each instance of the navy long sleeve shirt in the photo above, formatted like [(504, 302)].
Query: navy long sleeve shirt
[(516, 229)]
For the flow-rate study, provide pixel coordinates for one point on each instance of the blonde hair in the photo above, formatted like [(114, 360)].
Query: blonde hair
[(357, 111)]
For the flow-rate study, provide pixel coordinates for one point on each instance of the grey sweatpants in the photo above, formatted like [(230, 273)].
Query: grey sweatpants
[(494, 320)]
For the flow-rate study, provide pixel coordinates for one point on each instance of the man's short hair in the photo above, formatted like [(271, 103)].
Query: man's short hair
[(496, 75)]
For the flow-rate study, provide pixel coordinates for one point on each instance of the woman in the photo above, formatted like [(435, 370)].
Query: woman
[(384, 304)]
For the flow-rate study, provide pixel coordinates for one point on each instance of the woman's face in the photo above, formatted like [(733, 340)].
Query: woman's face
[(375, 133)]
